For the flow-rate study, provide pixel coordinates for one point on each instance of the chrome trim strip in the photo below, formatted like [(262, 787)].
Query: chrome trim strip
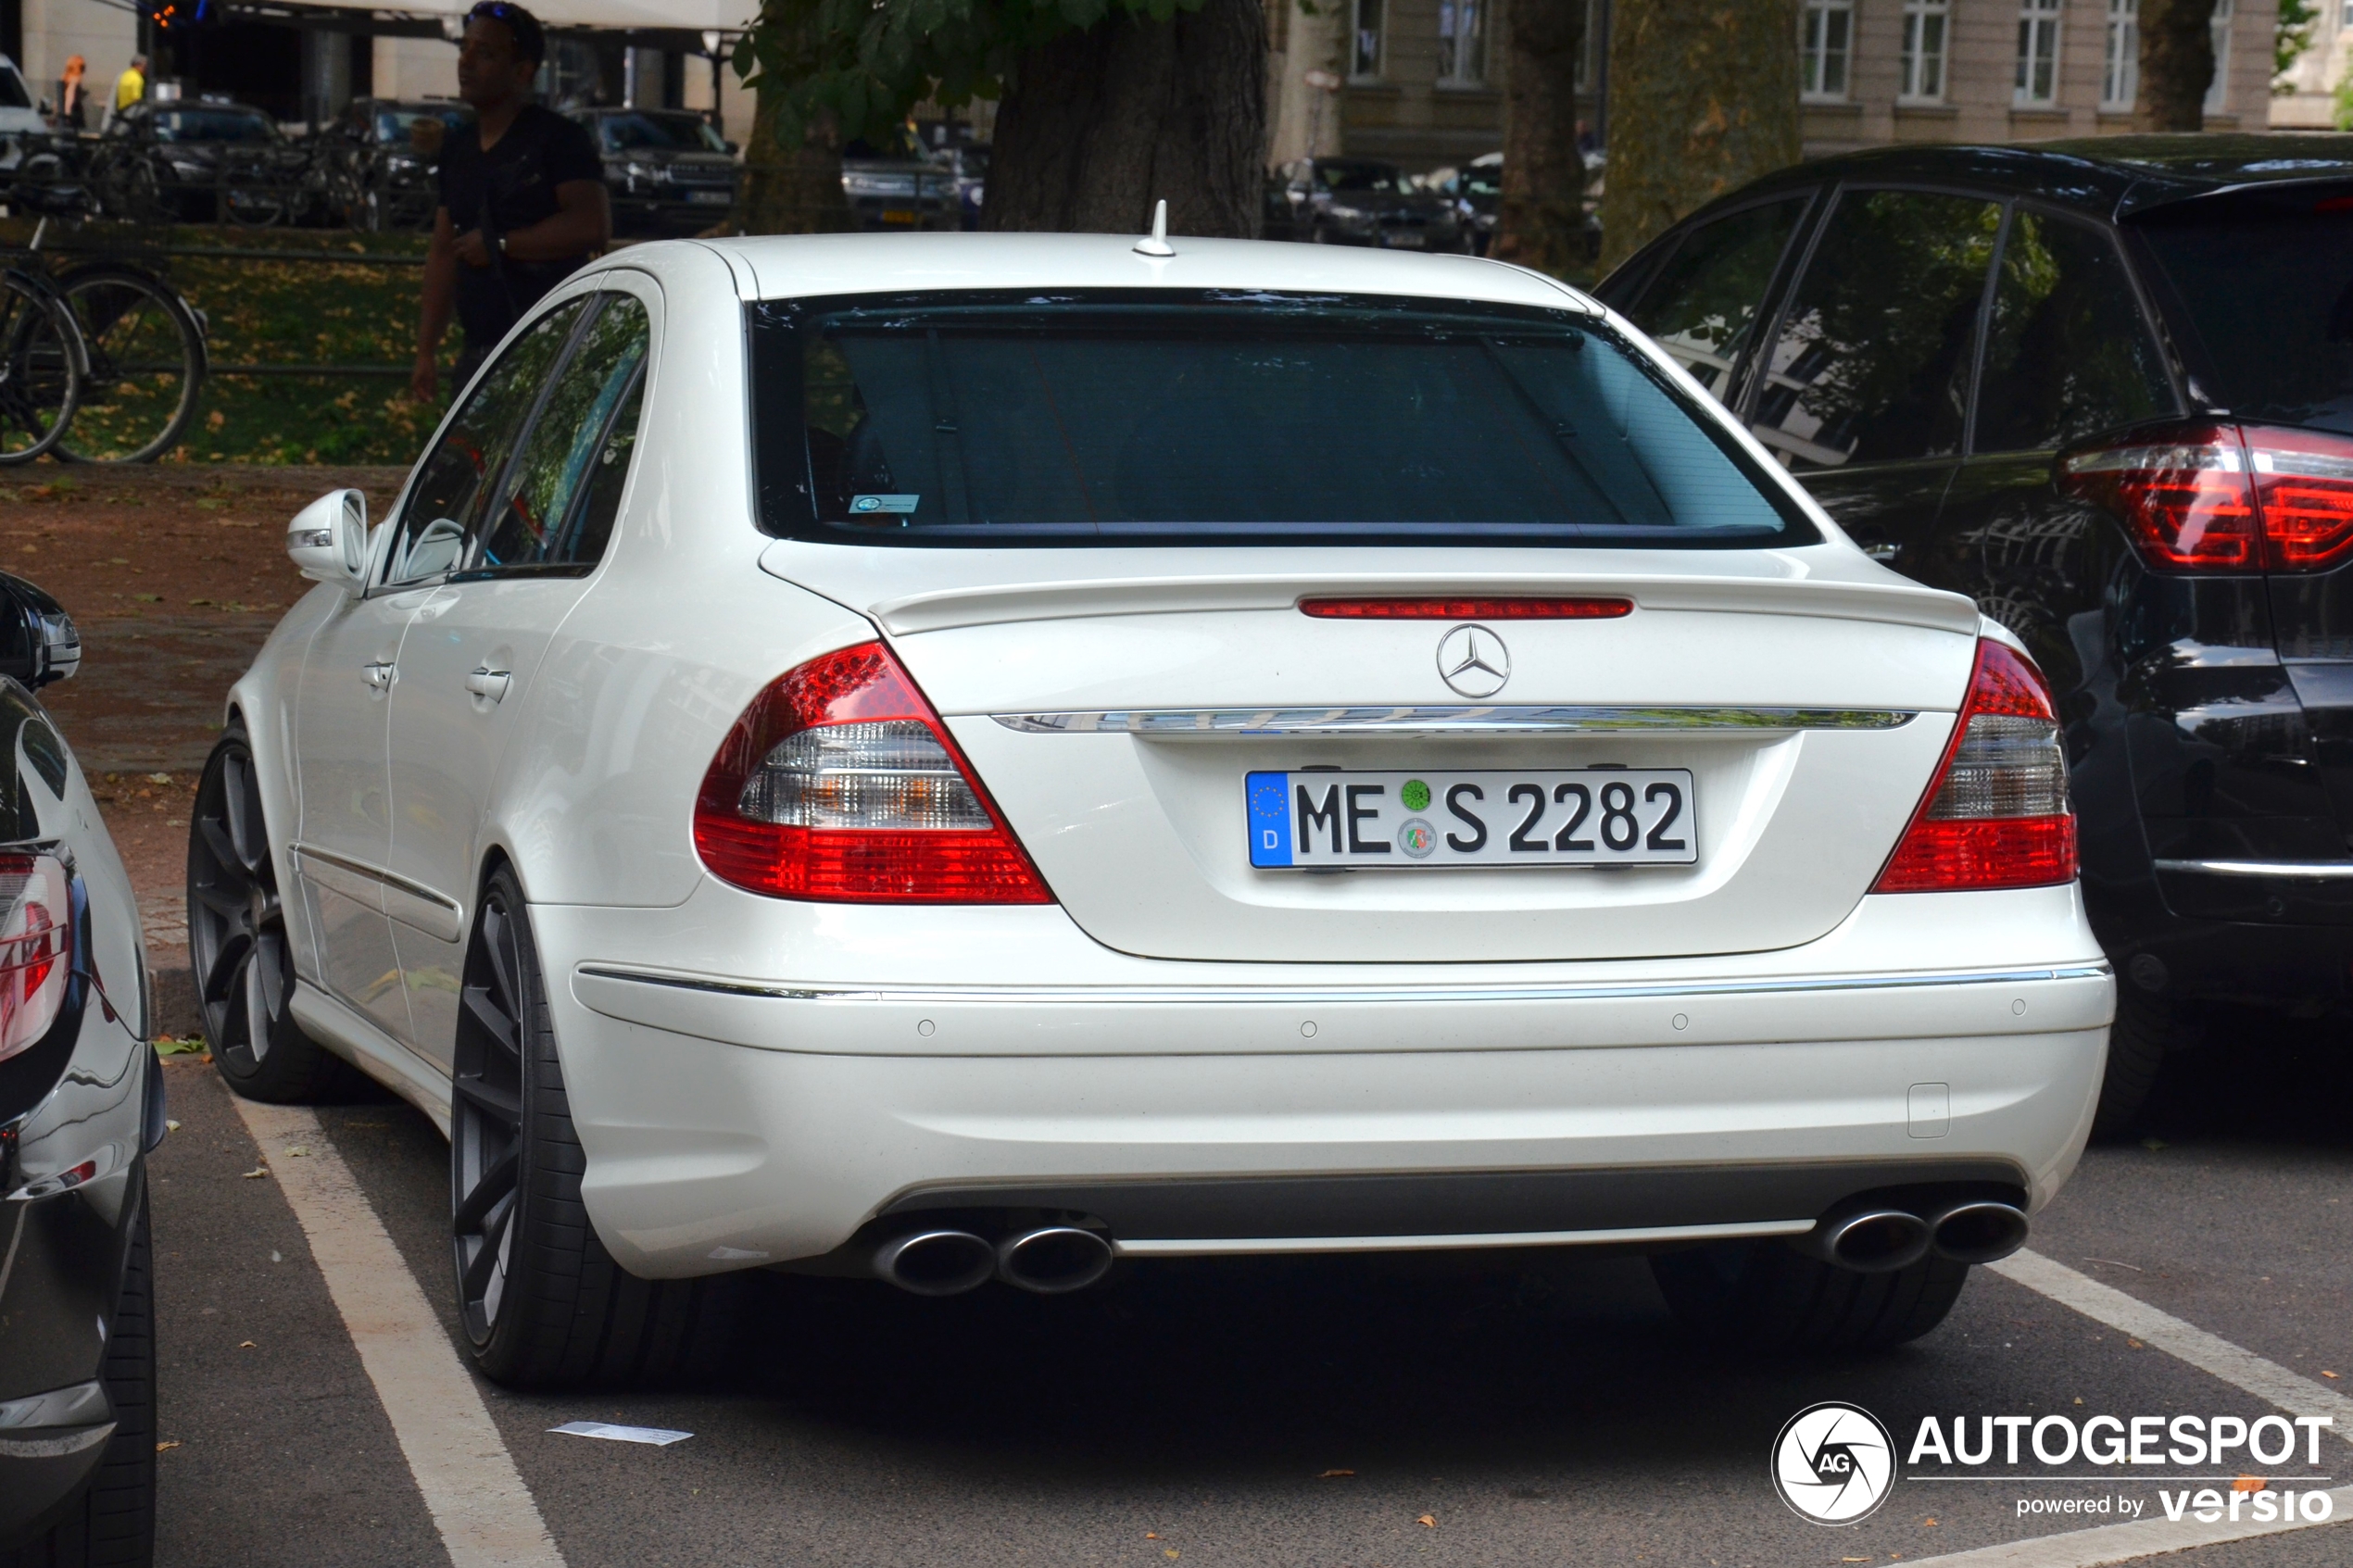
[(1484, 719), (1189, 1247), (2325, 870), (1128, 996), (377, 873)]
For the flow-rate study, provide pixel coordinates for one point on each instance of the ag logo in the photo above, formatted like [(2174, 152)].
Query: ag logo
[(1834, 1463)]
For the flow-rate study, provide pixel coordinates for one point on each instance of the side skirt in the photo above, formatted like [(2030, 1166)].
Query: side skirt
[(373, 1051)]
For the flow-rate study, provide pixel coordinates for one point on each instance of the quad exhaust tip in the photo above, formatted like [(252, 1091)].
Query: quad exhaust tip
[(1881, 1238), (1981, 1232), (1049, 1260)]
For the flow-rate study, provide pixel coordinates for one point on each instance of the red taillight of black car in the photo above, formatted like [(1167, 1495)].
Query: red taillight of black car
[(840, 784), (2208, 497), (36, 947)]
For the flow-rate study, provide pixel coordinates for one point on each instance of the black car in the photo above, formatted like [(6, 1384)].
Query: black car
[(1355, 201), (668, 171), (199, 161), (379, 160), (892, 183), (1475, 189), (2106, 388), (80, 1106)]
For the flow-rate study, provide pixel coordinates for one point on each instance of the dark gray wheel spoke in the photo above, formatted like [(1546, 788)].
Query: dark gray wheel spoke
[(227, 905), (216, 840), (485, 1013), (497, 1184), (486, 1261), (223, 976), (504, 1105)]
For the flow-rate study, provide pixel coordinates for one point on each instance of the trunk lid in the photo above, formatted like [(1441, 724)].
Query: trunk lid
[(1113, 702)]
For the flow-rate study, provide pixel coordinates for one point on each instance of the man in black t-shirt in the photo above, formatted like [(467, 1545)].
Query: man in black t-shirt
[(523, 197)]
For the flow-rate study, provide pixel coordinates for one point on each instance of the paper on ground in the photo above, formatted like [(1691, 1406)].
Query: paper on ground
[(654, 1435)]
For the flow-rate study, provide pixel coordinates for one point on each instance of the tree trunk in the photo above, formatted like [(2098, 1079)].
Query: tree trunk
[(791, 189), (1097, 126), (2177, 64), (1539, 221), (1702, 98)]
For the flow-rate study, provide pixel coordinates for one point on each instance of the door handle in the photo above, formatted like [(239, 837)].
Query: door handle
[(484, 682), (378, 674)]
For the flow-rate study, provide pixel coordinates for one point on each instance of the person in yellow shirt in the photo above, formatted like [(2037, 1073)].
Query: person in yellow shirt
[(132, 85)]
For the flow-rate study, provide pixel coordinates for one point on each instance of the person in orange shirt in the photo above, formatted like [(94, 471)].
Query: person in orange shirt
[(72, 102)]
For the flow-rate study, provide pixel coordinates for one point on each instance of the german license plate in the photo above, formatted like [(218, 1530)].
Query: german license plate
[(1533, 817), (1405, 239), (899, 215), (713, 198)]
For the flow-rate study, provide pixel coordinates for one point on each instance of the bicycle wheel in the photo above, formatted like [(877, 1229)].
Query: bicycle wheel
[(146, 364), (39, 368)]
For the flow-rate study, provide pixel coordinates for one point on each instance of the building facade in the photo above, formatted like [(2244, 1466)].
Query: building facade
[(2310, 101), (1419, 81)]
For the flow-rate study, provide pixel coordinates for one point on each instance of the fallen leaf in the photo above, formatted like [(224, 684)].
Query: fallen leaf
[(1151, 1535), (1329, 1474), (2249, 1483), (2330, 1374), (1429, 1520), (257, 1172), (170, 1125), (1928, 1524), (2136, 1345), (298, 1152), (1170, 1552), (173, 1444), (248, 1345), (159, 778)]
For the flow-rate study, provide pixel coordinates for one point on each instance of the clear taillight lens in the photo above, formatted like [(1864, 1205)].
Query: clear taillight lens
[(839, 784), (36, 947), (1997, 815), (2219, 498)]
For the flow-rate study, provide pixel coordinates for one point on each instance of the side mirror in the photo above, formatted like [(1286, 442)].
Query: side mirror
[(38, 643), (328, 540)]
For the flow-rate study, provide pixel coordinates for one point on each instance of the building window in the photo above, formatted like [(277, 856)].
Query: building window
[(2121, 65), (2218, 92), (1462, 43), (2038, 46), (1825, 35), (1925, 25), (1363, 54)]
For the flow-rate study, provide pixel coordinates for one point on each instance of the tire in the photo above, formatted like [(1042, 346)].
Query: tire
[(1766, 1296), (112, 1524), (238, 946), (146, 353), (2148, 1030), (542, 1302), (41, 368)]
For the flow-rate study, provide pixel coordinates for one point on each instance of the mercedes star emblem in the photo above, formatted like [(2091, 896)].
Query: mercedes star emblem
[(1474, 661)]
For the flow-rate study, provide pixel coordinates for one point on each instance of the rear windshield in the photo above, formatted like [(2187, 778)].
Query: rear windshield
[(213, 125), (662, 132), (1185, 418), (2264, 282)]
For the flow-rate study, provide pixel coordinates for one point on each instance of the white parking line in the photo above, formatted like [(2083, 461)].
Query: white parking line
[(477, 1498), (2245, 1370), (2124, 1543)]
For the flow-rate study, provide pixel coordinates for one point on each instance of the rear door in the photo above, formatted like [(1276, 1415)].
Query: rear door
[(1702, 300), (1863, 391)]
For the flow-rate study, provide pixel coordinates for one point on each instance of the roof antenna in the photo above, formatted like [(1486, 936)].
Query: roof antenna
[(1156, 243)]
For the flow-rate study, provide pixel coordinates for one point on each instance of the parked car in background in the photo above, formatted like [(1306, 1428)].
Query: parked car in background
[(1475, 188), (830, 843), (80, 1106), (2105, 389), (668, 171), (892, 183), (19, 108), (198, 161), (1352, 201), (379, 161), (967, 164)]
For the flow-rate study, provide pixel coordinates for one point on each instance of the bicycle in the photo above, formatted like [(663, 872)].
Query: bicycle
[(135, 362)]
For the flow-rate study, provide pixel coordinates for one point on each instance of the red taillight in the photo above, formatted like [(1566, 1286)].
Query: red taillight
[(1467, 609), (1997, 814), (36, 947), (840, 784), (2221, 498)]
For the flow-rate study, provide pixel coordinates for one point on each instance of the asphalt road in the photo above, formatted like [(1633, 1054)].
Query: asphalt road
[(1489, 1410)]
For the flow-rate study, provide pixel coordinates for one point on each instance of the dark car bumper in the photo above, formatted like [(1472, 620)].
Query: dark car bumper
[(687, 211)]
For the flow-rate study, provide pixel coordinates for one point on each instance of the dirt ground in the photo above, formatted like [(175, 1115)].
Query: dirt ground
[(174, 576)]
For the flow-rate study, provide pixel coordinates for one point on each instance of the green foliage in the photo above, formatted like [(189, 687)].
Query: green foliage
[(865, 64), (2292, 36)]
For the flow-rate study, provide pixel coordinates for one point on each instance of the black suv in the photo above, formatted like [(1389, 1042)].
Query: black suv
[(669, 172), (2104, 388)]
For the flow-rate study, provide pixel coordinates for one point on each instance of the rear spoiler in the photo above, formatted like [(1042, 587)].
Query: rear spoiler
[(2327, 180)]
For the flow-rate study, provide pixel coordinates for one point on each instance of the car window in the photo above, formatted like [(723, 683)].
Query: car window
[(2066, 351), (2263, 287), (1379, 177), (561, 494), (1702, 305), (213, 125), (446, 503), (1871, 363), (662, 132), (1253, 419)]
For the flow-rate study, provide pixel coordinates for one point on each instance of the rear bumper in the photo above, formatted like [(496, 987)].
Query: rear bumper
[(731, 1122)]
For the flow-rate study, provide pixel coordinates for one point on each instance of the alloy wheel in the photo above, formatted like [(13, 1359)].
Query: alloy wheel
[(237, 924), (485, 1123)]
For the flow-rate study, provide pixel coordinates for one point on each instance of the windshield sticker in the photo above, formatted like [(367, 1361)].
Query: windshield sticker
[(884, 503)]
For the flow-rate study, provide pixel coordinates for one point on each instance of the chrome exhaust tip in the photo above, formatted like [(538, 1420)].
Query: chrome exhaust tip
[(1053, 1259), (1979, 1232), (944, 1262), (1870, 1241)]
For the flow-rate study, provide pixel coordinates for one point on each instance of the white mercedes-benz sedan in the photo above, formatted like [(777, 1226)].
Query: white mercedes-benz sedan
[(970, 757)]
